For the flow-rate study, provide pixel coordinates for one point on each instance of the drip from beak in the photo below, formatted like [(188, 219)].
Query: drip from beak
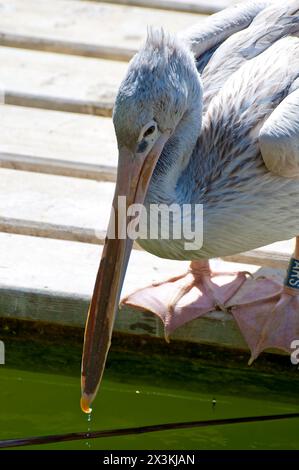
[(133, 177)]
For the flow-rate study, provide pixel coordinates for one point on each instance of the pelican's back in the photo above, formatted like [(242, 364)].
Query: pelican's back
[(270, 25)]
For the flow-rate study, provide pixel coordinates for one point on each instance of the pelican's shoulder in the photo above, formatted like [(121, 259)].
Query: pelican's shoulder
[(258, 86)]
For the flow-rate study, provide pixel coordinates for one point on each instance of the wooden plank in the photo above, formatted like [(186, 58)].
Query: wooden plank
[(59, 82), (54, 206), (192, 6), (52, 281), (59, 143), (83, 28), (78, 209), (274, 256)]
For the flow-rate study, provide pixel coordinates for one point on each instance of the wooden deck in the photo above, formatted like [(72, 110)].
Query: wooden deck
[(61, 64)]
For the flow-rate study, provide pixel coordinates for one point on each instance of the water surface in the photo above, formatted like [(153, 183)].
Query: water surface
[(36, 403)]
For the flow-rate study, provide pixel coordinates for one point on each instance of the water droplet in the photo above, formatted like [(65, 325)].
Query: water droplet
[(137, 391), (87, 443)]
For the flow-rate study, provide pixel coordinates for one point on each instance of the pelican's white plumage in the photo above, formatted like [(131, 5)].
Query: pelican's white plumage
[(210, 117), (219, 163)]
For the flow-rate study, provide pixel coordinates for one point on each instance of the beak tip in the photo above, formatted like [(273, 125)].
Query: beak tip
[(84, 403)]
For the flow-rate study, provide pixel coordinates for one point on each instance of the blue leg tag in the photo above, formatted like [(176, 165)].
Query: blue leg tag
[(292, 278)]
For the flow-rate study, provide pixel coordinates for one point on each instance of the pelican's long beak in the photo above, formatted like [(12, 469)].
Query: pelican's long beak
[(133, 177)]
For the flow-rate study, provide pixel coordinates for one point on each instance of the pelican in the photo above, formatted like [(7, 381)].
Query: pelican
[(209, 116)]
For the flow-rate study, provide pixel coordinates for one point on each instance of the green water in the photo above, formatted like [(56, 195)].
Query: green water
[(37, 404), (39, 395)]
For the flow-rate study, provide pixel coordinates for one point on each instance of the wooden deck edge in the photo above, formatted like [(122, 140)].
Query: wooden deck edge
[(62, 309), (57, 308), (66, 47), (55, 103), (268, 259), (53, 231), (57, 167), (51, 281), (33, 228), (203, 7)]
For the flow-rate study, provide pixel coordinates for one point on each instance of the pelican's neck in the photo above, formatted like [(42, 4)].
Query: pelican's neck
[(175, 157)]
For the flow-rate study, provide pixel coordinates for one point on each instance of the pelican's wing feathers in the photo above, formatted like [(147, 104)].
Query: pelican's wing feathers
[(203, 37), (270, 25), (279, 137)]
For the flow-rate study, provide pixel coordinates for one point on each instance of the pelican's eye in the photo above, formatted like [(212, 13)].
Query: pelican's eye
[(148, 136), (149, 131)]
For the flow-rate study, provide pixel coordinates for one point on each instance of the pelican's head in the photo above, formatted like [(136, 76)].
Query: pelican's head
[(160, 87), (160, 91)]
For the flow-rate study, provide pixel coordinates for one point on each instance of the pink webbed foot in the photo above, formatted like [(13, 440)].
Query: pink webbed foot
[(183, 298), (267, 315)]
